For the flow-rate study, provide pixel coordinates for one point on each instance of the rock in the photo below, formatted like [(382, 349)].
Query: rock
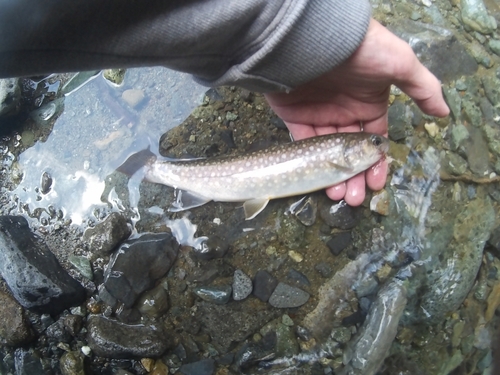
[(459, 134), (381, 202), (154, 302), (203, 367), (286, 343), (324, 269), (82, 264), (111, 339), (454, 164), (494, 45), (71, 363), (137, 264), (286, 296), (133, 97), (491, 86), (219, 294), (264, 285), (437, 48), (10, 97), (58, 333), (14, 327), (27, 362), (291, 232), (339, 242), (476, 149), (106, 236), (32, 272), (242, 285), (306, 210), (454, 101), (475, 15), (297, 277), (45, 183), (114, 76), (339, 215), (399, 121)]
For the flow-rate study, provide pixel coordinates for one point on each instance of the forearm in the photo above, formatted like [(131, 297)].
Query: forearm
[(259, 44)]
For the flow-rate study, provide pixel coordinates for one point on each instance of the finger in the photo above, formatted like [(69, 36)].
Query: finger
[(425, 89), (376, 175), (377, 126), (355, 192), (300, 131), (336, 192)]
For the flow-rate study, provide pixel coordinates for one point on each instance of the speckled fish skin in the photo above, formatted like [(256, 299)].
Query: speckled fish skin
[(278, 171)]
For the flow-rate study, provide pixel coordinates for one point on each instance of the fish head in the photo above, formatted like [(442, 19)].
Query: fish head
[(362, 150)]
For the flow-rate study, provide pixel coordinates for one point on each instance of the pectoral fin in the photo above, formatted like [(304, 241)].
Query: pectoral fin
[(340, 167), (254, 207), (184, 200)]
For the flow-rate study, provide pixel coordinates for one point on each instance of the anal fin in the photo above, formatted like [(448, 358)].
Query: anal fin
[(184, 200), (254, 207)]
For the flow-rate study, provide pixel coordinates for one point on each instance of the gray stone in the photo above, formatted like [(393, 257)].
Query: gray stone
[(494, 45), (264, 285), (480, 55), (399, 121), (437, 48), (306, 210), (242, 285), (154, 302), (472, 113), (71, 363), (112, 339), (14, 327), (454, 101), (137, 264), (476, 149), (10, 96), (32, 272), (459, 134), (339, 242), (454, 164), (475, 15), (339, 215), (27, 362), (82, 264), (219, 294), (203, 367), (286, 296), (324, 269), (286, 343), (491, 86), (106, 236)]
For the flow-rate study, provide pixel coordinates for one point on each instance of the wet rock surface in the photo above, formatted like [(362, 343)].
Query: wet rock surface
[(104, 237), (32, 272), (112, 339), (137, 264), (15, 329)]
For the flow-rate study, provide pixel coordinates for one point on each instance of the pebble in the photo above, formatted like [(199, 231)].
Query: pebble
[(137, 264), (71, 363), (324, 270), (82, 264), (286, 296), (27, 362), (432, 129), (32, 272), (399, 121), (494, 45), (133, 97), (380, 202), (111, 339), (106, 236), (295, 256), (339, 242), (219, 295), (306, 210), (475, 15), (154, 302), (264, 285), (339, 215), (242, 285), (14, 327), (203, 367), (298, 277)]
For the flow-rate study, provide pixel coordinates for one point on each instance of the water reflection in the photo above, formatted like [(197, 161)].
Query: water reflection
[(97, 128)]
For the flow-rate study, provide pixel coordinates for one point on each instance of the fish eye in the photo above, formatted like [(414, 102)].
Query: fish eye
[(376, 140)]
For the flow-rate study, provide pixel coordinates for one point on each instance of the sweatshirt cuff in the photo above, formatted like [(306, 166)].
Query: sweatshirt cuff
[(308, 41)]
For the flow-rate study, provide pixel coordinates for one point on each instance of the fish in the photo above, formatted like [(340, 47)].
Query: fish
[(275, 172)]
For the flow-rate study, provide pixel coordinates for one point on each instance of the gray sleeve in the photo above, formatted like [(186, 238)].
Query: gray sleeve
[(258, 44)]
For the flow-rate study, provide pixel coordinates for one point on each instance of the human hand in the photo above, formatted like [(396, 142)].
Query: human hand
[(355, 92)]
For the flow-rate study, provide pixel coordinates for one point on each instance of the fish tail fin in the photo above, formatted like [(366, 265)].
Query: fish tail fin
[(136, 161)]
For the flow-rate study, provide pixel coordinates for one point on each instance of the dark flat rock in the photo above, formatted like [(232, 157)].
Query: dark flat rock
[(34, 276)]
